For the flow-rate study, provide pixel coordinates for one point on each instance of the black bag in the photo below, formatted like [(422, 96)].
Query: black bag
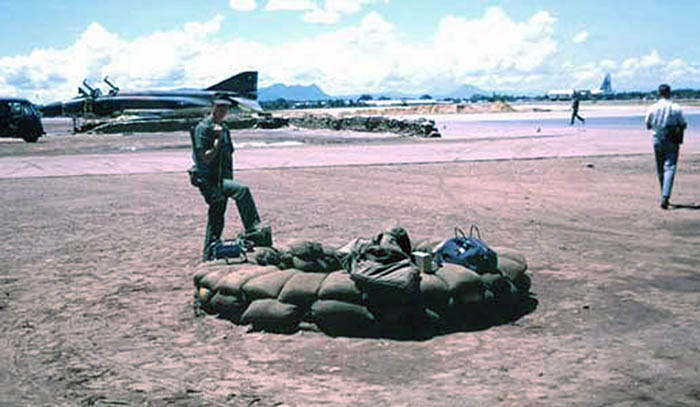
[(674, 133), (469, 251)]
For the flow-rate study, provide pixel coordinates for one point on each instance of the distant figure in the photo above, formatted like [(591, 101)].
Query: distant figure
[(661, 117), (213, 158), (574, 110)]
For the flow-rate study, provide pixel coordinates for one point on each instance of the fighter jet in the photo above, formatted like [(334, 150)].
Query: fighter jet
[(240, 89)]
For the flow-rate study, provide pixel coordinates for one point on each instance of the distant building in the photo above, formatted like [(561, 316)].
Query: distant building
[(403, 102)]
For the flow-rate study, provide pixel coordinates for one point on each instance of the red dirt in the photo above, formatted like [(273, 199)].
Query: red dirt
[(96, 289)]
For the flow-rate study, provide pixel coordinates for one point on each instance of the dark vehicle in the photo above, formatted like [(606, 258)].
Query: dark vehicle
[(240, 89), (20, 119)]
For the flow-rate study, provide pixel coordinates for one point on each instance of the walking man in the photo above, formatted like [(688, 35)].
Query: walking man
[(661, 117), (574, 110), (213, 175)]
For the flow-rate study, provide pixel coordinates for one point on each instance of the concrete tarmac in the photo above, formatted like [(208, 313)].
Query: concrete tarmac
[(524, 144)]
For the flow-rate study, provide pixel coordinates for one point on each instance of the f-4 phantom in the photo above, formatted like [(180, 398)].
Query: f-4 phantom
[(240, 89)]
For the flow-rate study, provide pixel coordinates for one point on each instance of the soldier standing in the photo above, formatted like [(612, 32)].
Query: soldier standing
[(213, 175)]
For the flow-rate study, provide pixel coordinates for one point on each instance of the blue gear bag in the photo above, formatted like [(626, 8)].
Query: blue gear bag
[(469, 251), (229, 250)]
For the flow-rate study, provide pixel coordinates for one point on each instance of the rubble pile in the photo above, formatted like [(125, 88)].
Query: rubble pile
[(406, 127), (169, 125)]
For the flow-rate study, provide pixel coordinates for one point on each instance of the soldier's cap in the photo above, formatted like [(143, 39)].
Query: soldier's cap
[(222, 101)]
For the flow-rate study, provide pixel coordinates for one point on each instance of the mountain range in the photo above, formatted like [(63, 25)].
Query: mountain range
[(313, 92), (293, 92)]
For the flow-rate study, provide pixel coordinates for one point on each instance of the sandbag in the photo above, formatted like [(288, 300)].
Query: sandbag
[(312, 266), (203, 295), (314, 257), (426, 245), (199, 274), (503, 289), (464, 285), (523, 284), (339, 286), (265, 256), (331, 252), (302, 288), (511, 264), (405, 321), (434, 292), (272, 316), (227, 306), (342, 318), (231, 283), (210, 278), (306, 250), (267, 285), (329, 262)]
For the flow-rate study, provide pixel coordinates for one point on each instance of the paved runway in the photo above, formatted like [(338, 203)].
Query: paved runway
[(574, 143)]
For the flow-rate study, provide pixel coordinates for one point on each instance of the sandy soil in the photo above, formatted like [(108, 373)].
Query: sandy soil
[(96, 289)]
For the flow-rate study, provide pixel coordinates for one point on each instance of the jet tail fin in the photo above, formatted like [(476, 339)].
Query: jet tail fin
[(244, 83), (606, 86)]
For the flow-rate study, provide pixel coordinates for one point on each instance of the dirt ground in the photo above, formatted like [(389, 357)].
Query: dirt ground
[(96, 292)]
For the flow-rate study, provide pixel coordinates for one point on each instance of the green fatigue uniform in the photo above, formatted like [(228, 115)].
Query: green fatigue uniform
[(215, 182)]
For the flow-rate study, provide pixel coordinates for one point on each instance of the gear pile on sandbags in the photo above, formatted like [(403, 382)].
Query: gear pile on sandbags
[(369, 287)]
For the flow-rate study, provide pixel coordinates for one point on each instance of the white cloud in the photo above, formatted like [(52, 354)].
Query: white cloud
[(161, 59), (321, 11), (608, 64), (347, 6), (494, 43), (580, 38), (290, 5), (371, 56), (321, 16), (243, 5), (649, 70), (493, 52), (635, 73)]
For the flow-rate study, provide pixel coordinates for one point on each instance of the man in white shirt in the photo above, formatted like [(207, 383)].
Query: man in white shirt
[(660, 116)]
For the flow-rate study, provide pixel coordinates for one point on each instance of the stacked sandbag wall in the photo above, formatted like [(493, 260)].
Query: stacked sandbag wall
[(277, 299)]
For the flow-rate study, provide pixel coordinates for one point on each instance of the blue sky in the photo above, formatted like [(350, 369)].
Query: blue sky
[(348, 46)]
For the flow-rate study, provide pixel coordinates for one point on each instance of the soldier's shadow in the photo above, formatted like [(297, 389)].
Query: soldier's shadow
[(685, 206)]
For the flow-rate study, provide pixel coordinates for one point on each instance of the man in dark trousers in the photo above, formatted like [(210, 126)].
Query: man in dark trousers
[(574, 108), (660, 117), (213, 175)]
